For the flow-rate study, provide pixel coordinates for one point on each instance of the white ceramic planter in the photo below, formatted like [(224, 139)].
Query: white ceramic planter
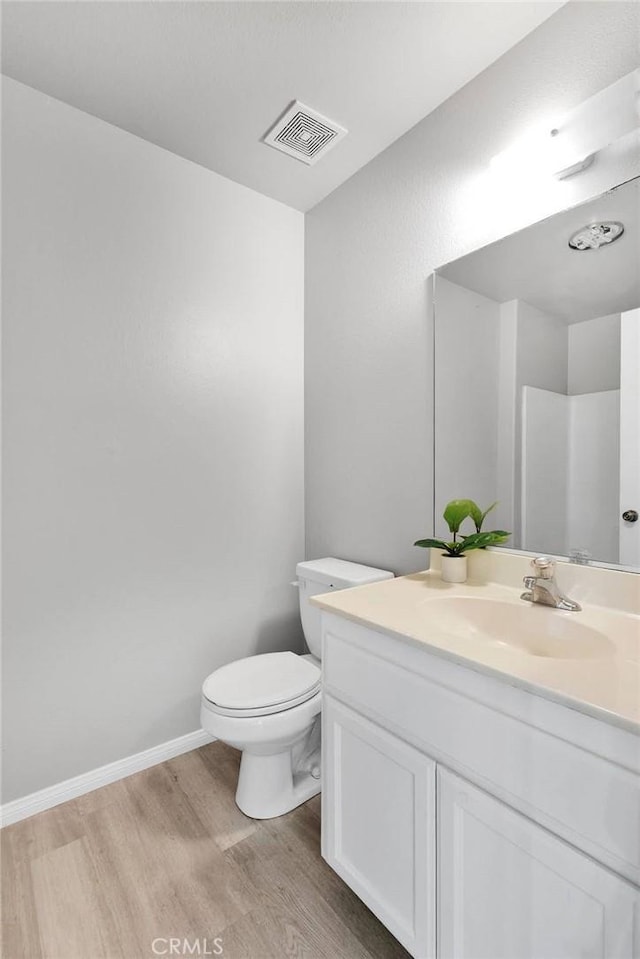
[(454, 568)]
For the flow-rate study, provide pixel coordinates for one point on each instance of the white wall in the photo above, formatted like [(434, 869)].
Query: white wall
[(532, 352), (545, 471), (594, 475), (466, 442), (541, 361), (153, 493), (371, 245), (508, 458), (542, 353), (594, 355), (570, 473), (486, 353)]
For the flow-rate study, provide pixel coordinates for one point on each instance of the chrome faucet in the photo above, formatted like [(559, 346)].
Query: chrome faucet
[(543, 588)]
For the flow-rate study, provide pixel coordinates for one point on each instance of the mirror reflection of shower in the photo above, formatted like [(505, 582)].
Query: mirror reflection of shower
[(543, 329)]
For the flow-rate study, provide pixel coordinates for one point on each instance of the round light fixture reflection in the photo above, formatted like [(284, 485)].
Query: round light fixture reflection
[(595, 235)]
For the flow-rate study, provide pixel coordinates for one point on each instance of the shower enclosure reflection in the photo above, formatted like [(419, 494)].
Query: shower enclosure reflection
[(542, 412)]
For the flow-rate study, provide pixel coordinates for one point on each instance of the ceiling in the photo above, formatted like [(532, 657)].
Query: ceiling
[(538, 266), (207, 79)]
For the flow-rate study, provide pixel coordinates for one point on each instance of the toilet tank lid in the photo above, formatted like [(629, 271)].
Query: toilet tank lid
[(340, 573)]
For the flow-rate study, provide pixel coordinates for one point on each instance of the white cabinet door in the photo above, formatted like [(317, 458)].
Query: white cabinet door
[(508, 889), (378, 823)]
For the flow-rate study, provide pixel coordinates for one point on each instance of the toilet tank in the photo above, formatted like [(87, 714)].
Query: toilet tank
[(324, 576)]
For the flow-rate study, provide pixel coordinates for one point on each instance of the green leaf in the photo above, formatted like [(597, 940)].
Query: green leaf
[(484, 515), (452, 549), (456, 512), (480, 540), (478, 516), (431, 543)]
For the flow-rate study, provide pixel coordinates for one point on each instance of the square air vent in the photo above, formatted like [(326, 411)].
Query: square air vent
[(304, 133)]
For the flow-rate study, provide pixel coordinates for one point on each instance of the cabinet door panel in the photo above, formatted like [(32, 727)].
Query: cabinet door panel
[(508, 889), (378, 823)]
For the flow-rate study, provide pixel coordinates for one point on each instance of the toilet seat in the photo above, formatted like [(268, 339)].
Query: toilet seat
[(261, 685)]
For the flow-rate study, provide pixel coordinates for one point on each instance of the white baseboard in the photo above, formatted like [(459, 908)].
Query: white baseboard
[(71, 788)]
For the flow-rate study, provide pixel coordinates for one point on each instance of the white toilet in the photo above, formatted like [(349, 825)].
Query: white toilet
[(269, 705)]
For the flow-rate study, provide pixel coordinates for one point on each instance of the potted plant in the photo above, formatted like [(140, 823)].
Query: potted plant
[(454, 560)]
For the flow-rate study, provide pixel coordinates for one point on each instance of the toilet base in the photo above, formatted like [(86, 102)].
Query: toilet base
[(267, 787)]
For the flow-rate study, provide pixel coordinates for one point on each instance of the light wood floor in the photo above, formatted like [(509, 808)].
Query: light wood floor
[(167, 854)]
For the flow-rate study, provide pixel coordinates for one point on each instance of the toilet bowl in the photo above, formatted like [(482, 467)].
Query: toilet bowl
[(271, 726), (268, 705)]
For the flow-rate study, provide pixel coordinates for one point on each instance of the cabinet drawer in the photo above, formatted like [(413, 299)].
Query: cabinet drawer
[(593, 803)]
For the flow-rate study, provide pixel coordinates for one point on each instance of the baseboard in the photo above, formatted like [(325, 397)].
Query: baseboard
[(71, 788)]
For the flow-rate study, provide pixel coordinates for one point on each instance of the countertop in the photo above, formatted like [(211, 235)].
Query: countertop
[(605, 685)]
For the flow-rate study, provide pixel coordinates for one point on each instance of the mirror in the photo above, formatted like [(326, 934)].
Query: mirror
[(537, 383)]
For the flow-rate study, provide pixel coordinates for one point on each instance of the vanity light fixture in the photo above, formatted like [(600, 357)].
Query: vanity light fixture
[(596, 235), (569, 145), (546, 152)]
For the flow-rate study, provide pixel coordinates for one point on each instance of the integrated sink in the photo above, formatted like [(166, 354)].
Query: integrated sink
[(589, 658), (533, 630)]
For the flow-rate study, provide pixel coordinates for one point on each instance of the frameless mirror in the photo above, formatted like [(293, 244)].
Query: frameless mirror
[(537, 382)]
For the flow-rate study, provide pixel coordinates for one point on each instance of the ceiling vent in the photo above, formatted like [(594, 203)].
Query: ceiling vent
[(304, 133)]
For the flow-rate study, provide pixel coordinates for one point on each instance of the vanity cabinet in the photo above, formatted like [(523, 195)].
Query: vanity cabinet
[(476, 820)]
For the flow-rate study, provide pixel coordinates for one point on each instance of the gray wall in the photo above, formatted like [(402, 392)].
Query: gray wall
[(370, 247), (541, 362), (467, 334), (153, 441), (594, 355)]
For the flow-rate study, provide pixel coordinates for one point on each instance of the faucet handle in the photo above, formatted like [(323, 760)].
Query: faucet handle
[(544, 567)]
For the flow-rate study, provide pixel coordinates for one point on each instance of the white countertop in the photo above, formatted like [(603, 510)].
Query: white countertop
[(607, 688)]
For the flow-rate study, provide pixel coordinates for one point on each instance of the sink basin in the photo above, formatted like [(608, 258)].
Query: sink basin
[(534, 630)]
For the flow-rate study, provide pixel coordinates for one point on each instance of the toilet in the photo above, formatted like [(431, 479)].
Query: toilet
[(268, 705)]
